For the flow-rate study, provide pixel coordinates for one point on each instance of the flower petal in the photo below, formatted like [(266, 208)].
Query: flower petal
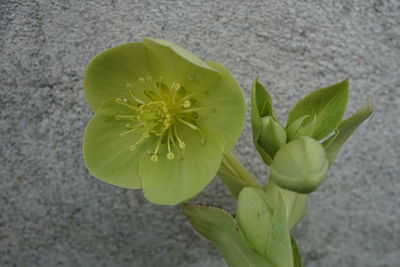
[(172, 181), (176, 64), (107, 154), (109, 72), (227, 107)]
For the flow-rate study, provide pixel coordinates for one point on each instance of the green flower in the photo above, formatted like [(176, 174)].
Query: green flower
[(163, 119)]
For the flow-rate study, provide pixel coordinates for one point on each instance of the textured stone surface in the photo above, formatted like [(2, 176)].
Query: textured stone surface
[(53, 213)]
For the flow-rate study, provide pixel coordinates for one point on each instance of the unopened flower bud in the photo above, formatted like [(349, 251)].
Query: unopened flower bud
[(300, 165)]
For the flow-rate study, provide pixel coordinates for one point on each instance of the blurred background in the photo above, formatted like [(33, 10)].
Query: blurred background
[(53, 213)]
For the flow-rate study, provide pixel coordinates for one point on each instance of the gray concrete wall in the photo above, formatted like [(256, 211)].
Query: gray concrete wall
[(53, 213)]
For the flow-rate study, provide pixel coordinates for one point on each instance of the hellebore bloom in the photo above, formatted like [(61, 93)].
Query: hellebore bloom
[(163, 119)]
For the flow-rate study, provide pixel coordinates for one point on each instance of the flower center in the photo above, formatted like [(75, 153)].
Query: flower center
[(156, 117), (156, 111)]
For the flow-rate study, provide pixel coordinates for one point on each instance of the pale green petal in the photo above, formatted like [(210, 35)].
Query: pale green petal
[(109, 72), (173, 181), (227, 107), (179, 51), (106, 154), (177, 65)]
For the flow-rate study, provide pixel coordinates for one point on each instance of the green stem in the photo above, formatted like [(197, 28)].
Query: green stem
[(234, 175), (296, 203)]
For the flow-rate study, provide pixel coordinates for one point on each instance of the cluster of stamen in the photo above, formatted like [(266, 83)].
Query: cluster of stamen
[(156, 110)]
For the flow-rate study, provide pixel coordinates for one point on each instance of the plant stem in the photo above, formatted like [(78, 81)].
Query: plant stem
[(234, 175)]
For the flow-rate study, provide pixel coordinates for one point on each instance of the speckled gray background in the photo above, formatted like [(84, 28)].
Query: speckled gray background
[(53, 213)]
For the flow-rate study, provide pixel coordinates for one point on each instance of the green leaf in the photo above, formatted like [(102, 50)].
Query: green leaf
[(300, 165), (221, 229), (273, 135), (328, 141), (265, 226), (296, 130), (326, 106), (254, 215), (169, 182), (295, 203), (346, 129), (261, 106), (297, 259)]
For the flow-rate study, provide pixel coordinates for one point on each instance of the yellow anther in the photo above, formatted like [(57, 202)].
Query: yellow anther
[(141, 80), (177, 86), (186, 104), (119, 100), (129, 86), (154, 158), (150, 79), (170, 156), (181, 144)]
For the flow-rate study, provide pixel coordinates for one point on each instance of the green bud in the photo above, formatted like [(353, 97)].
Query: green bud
[(273, 135), (300, 165)]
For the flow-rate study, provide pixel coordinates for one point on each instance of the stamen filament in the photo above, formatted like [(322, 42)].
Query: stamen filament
[(127, 132), (194, 109), (181, 144), (188, 96), (194, 127), (154, 157), (144, 136), (170, 154), (122, 117), (137, 99), (174, 88), (124, 102)]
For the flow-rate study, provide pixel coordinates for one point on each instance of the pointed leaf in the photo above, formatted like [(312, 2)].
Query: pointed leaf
[(326, 106), (261, 106), (295, 203), (254, 215), (272, 136), (347, 128), (297, 259), (221, 229), (265, 226)]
